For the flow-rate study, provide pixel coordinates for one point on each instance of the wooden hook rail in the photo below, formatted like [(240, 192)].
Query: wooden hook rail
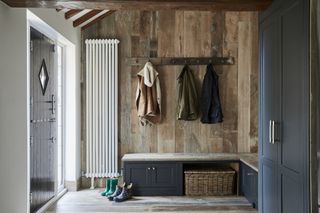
[(181, 61)]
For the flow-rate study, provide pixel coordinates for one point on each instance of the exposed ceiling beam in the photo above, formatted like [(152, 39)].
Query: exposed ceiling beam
[(230, 5), (86, 17), (71, 13), (97, 19)]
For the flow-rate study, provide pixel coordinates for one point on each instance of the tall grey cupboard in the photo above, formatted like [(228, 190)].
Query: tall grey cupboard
[(284, 108)]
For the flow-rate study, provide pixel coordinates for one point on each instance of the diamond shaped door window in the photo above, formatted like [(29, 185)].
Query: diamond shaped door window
[(43, 77)]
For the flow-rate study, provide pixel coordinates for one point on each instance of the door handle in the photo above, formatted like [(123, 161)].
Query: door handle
[(53, 140), (53, 101), (153, 168), (276, 131), (270, 131), (273, 124)]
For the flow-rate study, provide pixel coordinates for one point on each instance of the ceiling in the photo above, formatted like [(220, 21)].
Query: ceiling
[(85, 13), (206, 5)]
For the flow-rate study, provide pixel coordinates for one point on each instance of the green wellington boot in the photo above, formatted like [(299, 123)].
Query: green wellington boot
[(113, 186), (107, 187)]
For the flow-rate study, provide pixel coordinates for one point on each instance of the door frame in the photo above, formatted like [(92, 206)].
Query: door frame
[(63, 78), (68, 52)]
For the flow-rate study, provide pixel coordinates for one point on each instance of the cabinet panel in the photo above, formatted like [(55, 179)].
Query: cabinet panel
[(249, 184), (165, 175), (268, 201), (293, 88), (292, 199), (270, 105), (139, 174), (270, 84), (154, 178)]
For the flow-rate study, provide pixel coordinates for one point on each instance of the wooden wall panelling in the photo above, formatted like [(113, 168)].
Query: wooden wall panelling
[(229, 83), (254, 83), (191, 47), (166, 131), (123, 23), (215, 132), (244, 70), (181, 34), (178, 52)]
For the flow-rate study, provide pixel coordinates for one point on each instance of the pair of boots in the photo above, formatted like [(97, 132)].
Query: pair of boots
[(111, 184), (122, 193)]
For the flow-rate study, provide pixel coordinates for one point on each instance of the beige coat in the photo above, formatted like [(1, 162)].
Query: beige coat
[(148, 95)]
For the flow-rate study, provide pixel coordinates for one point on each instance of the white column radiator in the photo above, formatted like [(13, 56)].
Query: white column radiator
[(101, 108)]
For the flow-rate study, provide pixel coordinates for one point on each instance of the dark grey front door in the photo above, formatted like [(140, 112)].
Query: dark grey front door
[(43, 120), (284, 108)]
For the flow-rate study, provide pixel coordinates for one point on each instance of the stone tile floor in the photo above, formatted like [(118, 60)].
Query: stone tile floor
[(91, 201)]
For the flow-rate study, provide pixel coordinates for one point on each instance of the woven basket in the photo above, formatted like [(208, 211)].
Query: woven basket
[(209, 182)]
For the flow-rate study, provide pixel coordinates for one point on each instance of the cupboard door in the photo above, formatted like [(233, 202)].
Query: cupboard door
[(140, 174), (270, 76), (293, 147), (284, 98), (249, 184), (164, 175), (154, 178)]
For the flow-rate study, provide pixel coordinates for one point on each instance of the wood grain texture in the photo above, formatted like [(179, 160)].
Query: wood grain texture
[(86, 17), (97, 19), (92, 201), (185, 34), (205, 5), (71, 13)]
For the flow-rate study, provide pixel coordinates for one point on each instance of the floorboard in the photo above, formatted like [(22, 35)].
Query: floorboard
[(91, 201)]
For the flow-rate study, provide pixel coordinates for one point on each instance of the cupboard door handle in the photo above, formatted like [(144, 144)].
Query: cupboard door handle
[(270, 131), (273, 124), (153, 168), (250, 174), (148, 168)]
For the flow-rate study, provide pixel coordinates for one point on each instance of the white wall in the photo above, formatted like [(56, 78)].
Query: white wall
[(14, 103), (13, 110)]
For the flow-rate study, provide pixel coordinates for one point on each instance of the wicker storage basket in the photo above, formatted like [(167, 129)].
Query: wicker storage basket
[(214, 182)]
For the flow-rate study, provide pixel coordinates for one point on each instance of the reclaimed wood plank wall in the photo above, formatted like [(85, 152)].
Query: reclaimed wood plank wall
[(184, 34)]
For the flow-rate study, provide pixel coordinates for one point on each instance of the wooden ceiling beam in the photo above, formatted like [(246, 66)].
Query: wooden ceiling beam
[(86, 17), (71, 13), (204, 5), (98, 19)]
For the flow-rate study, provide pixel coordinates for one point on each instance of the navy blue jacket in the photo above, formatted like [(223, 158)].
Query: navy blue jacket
[(210, 100)]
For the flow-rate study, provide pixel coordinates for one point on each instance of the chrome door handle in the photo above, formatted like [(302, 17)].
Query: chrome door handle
[(270, 131), (273, 124)]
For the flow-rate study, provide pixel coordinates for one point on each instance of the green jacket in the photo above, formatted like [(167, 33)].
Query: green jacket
[(187, 104)]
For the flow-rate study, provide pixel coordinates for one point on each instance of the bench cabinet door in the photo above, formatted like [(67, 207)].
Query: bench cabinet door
[(249, 184), (138, 173), (154, 178)]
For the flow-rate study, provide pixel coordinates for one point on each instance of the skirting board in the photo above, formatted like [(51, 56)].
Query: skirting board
[(73, 186), (52, 201)]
